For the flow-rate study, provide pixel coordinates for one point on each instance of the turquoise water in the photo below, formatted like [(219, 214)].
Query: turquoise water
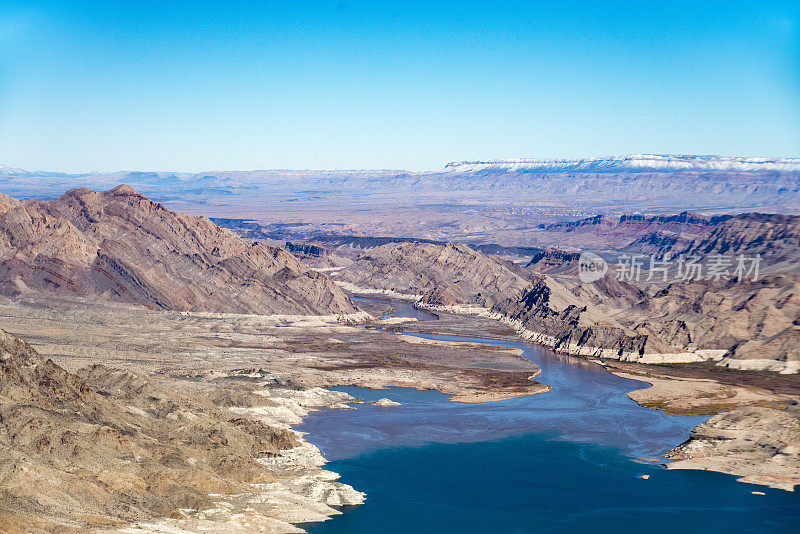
[(533, 484), (563, 461)]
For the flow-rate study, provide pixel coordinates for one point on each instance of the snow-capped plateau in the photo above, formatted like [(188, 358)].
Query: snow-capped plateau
[(630, 163), (12, 172)]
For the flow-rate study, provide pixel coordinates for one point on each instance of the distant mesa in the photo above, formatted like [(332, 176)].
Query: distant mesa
[(632, 163)]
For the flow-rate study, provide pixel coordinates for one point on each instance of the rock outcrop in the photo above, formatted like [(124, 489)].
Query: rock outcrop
[(120, 245), (606, 231), (760, 445), (554, 261), (757, 323), (385, 403), (550, 314), (752, 325)]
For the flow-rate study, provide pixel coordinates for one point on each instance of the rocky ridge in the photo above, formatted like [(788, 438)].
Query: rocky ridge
[(442, 274), (120, 245), (776, 238)]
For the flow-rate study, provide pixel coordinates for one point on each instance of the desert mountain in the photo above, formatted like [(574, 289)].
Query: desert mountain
[(745, 325), (776, 238), (76, 454), (605, 231), (120, 245), (756, 322)]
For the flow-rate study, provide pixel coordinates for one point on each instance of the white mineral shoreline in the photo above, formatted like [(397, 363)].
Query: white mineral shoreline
[(388, 293), (303, 491), (588, 351)]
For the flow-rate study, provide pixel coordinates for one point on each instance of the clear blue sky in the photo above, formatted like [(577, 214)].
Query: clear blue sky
[(245, 85)]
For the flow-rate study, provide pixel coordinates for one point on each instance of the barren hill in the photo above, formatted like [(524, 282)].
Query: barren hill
[(120, 245)]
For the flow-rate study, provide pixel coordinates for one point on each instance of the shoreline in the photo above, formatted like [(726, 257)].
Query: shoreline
[(302, 491), (585, 351)]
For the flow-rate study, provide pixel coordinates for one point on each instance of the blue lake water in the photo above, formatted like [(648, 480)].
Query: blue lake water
[(562, 461)]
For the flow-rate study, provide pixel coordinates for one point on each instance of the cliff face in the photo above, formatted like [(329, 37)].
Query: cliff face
[(554, 261), (744, 325), (552, 315), (636, 232), (757, 323), (120, 245), (775, 237)]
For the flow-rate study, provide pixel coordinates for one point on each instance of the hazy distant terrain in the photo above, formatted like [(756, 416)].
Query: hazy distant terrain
[(500, 201)]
